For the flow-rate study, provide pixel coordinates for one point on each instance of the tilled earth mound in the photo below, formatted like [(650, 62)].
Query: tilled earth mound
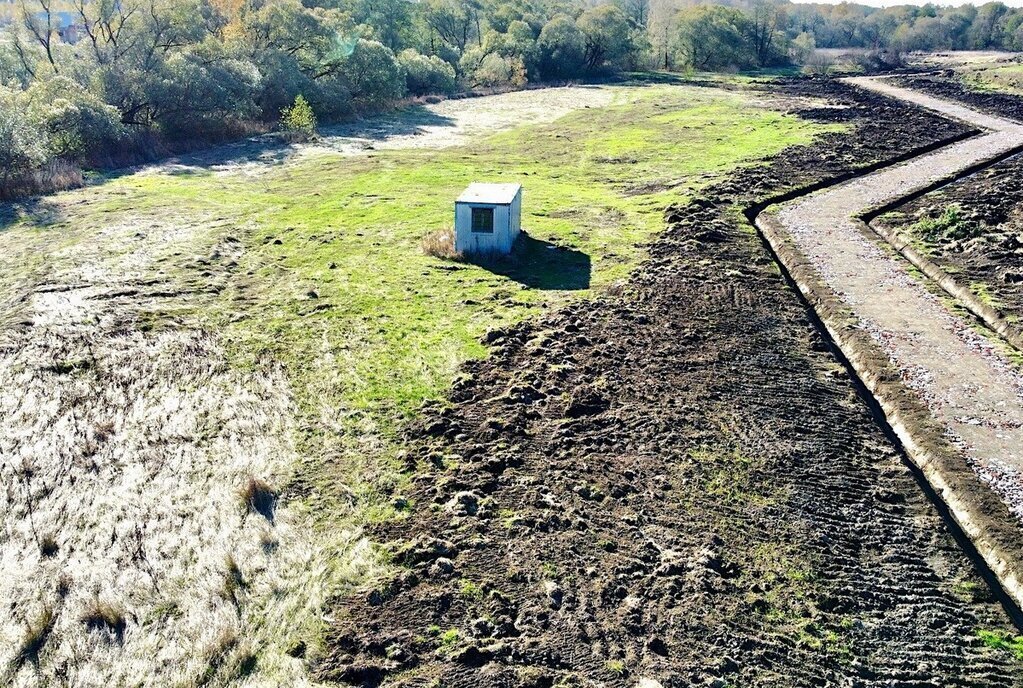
[(675, 484)]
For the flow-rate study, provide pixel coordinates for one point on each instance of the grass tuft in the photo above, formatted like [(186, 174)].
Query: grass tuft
[(259, 497), (103, 616), (441, 244), (48, 546), (36, 635)]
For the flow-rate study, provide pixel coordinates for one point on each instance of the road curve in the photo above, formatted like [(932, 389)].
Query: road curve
[(963, 378)]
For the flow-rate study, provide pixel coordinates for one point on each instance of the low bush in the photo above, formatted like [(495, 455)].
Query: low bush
[(426, 75), (298, 122), (441, 244)]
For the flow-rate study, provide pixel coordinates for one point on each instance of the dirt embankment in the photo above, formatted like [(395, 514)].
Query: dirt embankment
[(676, 485)]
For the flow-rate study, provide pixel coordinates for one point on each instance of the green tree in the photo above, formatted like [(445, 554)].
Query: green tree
[(712, 37), (372, 73), (22, 143), (561, 49), (299, 119), (425, 75), (608, 34)]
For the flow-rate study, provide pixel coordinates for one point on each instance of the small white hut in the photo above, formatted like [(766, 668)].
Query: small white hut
[(487, 218)]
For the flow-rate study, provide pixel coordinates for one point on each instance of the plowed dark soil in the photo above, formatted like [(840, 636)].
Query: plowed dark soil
[(989, 252), (676, 484)]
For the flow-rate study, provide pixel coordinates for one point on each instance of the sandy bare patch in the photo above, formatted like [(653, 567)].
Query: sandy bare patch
[(440, 125)]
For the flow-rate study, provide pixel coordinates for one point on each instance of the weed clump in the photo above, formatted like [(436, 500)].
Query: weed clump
[(1001, 640), (951, 225), (100, 616), (259, 497), (441, 244)]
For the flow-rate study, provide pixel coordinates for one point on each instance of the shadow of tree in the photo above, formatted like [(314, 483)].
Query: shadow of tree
[(38, 210), (272, 149), (540, 264)]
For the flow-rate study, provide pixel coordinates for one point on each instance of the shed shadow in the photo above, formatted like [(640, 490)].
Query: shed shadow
[(539, 264)]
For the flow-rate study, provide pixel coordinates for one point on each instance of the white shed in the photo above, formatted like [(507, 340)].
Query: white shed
[(487, 218)]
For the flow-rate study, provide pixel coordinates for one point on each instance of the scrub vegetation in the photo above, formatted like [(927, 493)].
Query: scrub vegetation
[(207, 367), (87, 84)]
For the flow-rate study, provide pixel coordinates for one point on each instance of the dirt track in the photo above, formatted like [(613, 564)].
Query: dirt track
[(675, 486)]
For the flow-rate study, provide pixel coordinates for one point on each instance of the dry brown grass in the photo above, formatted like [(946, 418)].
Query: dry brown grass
[(36, 635), (103, 616), (441, 244), (58, 175), (48, 546)]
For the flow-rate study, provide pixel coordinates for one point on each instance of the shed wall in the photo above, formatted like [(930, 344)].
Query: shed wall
[(500, 241)]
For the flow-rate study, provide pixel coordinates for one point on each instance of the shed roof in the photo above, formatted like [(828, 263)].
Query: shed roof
[(499, 194)]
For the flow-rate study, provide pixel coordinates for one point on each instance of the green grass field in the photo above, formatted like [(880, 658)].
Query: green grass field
[(315, 268), (1004, 78)]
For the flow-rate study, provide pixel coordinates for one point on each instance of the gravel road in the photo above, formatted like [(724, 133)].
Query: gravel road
[(966, 380)]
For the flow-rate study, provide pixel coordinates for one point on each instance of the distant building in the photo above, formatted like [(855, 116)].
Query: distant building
[(67, 25), (488, 218)]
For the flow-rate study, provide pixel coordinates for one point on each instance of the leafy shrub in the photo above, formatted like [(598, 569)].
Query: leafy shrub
[(73, 120), (22, 142), (425, 75), (493, 69), (372, 73), (948, 226), (299, 120)]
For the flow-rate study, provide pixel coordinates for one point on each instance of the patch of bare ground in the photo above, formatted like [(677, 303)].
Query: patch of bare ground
[(676, 485), (433, 125)]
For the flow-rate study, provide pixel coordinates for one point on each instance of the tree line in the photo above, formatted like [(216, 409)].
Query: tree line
[(104, 82)]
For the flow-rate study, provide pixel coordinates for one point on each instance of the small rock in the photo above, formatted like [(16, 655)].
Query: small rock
[(555, 594), (463, 504), (442, 567), (648, 683)]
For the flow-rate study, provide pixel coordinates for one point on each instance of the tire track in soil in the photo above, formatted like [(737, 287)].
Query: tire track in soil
[(676, 483)]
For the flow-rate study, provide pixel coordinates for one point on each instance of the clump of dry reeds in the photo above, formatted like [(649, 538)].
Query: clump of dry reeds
[(259, 497), (441, 244)]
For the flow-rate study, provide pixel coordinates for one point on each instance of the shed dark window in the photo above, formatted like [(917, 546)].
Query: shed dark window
[(483, 220)]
